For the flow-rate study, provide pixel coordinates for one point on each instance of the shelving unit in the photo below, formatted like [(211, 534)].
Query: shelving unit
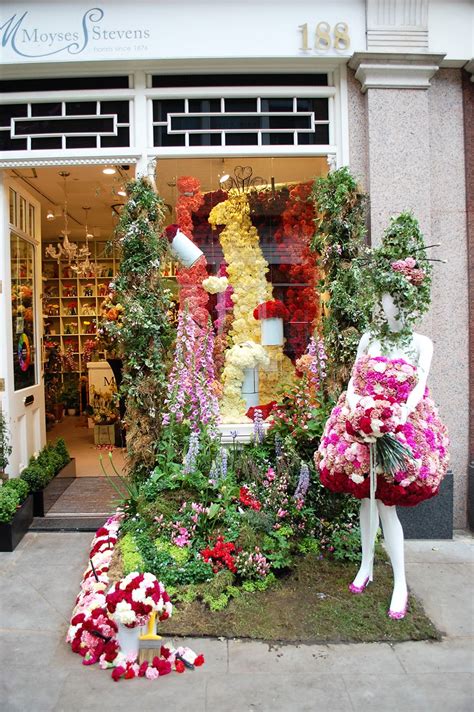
[(72, 304)]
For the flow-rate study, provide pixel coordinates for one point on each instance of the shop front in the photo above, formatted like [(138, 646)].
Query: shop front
[(252, 101)]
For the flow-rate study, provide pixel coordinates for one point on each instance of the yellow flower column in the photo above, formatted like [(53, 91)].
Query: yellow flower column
[(246, 269)]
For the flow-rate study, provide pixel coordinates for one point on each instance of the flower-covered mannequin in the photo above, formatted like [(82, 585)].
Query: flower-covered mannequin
[(387, 398)]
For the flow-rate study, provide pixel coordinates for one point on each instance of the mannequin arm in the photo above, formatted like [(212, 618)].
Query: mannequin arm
[(425, 347), (352, 397)]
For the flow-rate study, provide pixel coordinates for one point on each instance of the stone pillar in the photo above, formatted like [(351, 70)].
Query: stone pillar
[(415, 161)]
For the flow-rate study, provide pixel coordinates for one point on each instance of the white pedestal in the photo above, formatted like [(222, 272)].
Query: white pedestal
[(100, 378), (271, 331), (250, 387)]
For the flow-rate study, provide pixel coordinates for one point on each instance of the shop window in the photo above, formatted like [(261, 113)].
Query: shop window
[(23, 345), (241, 121)]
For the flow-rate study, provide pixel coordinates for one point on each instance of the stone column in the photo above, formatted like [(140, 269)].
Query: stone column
[(415, 161)]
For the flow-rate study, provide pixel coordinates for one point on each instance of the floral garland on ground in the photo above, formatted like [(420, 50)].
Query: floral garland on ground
[(92, 631), (192, 295)]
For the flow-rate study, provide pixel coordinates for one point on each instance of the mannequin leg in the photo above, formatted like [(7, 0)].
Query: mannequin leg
[(367, 542), (393, 536)]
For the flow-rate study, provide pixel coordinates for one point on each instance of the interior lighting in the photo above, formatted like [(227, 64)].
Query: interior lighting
[(50, 215), (121, 191), (223, 178), (109, 170)]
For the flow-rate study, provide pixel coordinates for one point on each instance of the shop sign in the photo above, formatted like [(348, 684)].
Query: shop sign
[(78, 31)]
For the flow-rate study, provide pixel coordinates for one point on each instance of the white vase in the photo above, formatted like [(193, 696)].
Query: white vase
[(185, 250), (249, 388), (128, 639), (271, 331)]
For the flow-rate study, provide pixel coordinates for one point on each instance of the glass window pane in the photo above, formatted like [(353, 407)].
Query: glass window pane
[(12, 207), (23, 346)]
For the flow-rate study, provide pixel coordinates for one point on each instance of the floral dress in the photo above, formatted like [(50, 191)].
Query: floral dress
[(343, 457)]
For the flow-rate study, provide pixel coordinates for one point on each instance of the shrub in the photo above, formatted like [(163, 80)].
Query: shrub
[(36, 476), (346, 544), (19, 486), (131, 557), (61, 450), (9, 501)]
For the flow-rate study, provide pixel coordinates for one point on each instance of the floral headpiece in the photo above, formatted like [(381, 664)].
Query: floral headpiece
[(401, 268)]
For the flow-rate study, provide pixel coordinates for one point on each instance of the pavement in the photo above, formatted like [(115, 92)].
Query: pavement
[(38, 672)]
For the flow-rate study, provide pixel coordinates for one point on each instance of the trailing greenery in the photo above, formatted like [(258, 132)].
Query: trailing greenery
[(145, 334), (411, 292), (340, 241)]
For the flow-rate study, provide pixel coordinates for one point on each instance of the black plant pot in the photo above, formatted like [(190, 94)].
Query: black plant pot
[(11, 533), (45, 498)]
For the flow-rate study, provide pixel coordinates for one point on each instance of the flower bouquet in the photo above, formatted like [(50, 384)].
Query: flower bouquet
[(132, 600), (375, 420)]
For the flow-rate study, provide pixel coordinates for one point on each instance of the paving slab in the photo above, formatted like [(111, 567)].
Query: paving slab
[(304, 691), (453, 692), (452, 551), (451, 655)]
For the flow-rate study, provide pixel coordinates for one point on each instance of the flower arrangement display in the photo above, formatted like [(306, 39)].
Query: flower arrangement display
[(339, 239), (298, 264), (412, 456), (104, 406), (131, 601), (145, 335), (93, 631), (246, 266), (110, 325), (215, 285), (191, 392), (192, 296)]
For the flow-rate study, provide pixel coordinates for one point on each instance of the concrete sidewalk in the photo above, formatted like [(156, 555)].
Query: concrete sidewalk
[(39, 583)]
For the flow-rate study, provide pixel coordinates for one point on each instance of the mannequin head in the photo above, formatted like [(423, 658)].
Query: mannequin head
[(392, 313)]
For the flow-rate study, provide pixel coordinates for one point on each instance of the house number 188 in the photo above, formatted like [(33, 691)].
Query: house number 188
[(325, 37)]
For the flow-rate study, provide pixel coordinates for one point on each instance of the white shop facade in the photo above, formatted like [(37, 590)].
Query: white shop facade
[(284, 90)]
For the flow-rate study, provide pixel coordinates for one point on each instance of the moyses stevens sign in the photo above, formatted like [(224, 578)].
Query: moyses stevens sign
[(29, 35)]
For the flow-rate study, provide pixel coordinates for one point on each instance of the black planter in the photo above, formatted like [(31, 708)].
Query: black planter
[(432, 519), (12, 533), (45, 498)]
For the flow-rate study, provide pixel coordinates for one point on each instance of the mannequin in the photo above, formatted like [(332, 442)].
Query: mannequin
[(419, 352)]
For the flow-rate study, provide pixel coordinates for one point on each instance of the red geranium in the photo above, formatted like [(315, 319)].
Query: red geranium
[(221, 556), (246, 498)]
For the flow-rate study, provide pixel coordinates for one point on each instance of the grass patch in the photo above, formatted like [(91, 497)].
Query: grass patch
[(310, 605)]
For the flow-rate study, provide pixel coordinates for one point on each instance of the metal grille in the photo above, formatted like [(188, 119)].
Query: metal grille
[(256, 121), (63, 125)]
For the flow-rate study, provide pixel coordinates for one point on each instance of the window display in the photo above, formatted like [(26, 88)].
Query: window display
[(253, 219), (23, 323)]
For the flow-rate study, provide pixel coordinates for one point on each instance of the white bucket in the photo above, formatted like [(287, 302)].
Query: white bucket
[(128, 639), (272, 331), (185, 250), (250, 382)]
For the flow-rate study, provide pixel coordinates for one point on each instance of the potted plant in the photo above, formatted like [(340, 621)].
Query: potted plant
[(16, 513), (105, 416), (70, 397), (5, 447), (52, 463)]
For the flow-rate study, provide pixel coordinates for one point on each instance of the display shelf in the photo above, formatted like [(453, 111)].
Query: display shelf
[(63, 286)]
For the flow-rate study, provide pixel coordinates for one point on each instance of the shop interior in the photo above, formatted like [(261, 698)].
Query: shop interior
[(80, 208)]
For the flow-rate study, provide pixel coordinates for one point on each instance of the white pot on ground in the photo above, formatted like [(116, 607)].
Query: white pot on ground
[(128, 639), (271, 331)]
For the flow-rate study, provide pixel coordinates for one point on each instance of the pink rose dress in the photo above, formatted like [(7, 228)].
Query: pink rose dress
[(343, 456)]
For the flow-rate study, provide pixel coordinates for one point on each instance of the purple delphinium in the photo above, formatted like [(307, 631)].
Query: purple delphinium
[(191, 455), (303, 482), (258, 429), (223, 462)]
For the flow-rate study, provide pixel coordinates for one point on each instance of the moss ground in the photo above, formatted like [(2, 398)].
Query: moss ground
[(311, 604)]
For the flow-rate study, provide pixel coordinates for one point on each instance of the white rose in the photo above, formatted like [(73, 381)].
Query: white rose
[(358, 479), (380, 366)]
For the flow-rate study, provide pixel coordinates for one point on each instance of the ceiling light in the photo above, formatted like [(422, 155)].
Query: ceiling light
[(109, 170), (50, 215), (122, 191), (223, 178)]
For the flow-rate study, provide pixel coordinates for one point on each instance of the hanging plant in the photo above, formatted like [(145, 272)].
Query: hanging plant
[(145, 335)]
